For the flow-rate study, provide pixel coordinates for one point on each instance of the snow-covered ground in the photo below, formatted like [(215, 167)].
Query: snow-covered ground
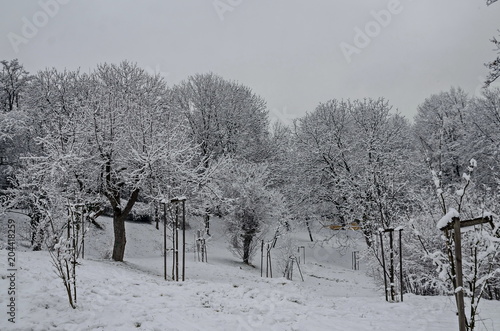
[(222, 294)]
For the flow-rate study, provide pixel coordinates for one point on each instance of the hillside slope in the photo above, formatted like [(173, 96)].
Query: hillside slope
[(222, 294)]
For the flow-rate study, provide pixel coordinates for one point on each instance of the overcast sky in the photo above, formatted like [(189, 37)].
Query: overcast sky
[(293, 53)]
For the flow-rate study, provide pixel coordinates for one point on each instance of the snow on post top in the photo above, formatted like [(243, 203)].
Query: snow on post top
[(447, 219)]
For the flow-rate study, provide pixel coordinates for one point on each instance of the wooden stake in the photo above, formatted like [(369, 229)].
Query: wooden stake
[(165, 240), (176, 229), (267, 261), (459, 292), (456, 225), (383, 265), (261, 257), (401, 265), (183, 240), (300, 271), (173, 246), (391, 254), (354, 258)]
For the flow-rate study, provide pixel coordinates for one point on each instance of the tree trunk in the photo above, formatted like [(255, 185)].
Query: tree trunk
[(309, 231), (247, 240), (119, 217), (207, 222), (120, 238), (36, 233)]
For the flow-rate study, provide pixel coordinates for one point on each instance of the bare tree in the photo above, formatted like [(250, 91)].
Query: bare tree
[(127, 110), (225, 118), (440, 126), (13, 83), (354, 155), (110, 133), (493, 66), (254, 206)]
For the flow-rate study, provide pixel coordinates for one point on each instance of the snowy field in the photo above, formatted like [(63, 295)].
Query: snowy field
[(222, 294)]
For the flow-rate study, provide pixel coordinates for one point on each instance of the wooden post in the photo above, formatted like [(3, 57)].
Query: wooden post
[(302, 251), (261, 256), (165, 240), (269, 267), (300, 271), (383, 264), (183, 239), (354, 258), (267, 261), (456, 225), (270, 264), (391, 254), (176, 230), (83, 218), (173, 246), (205, 250), (401, 265), (459, 292)]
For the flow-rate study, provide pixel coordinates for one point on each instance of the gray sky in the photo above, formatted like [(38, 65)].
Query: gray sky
[(295, 54)]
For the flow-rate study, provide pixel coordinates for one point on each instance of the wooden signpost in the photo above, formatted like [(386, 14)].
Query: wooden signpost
[(456, 225)]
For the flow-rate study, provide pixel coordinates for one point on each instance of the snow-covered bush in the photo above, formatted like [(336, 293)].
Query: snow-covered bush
[(254, 207)]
